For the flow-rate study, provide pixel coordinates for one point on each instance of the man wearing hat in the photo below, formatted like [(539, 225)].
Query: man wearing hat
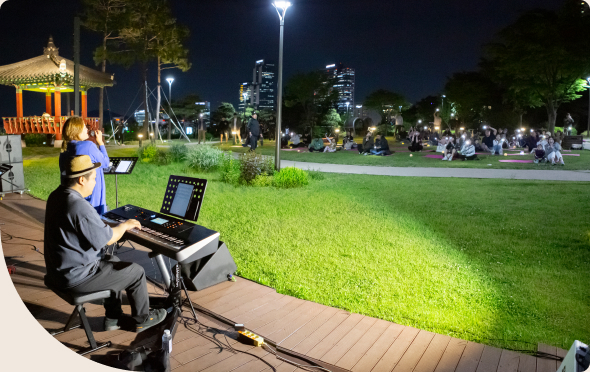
[(75, 236), (254, 130)]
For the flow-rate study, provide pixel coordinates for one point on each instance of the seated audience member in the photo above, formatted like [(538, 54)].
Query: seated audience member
[(539, 154), (433, 139), (553, 152), (468, 151), (487, 142), (75, 237), (497, 149), (531, 142), (543, 140), (331, 144), (442, 144), (367, 145), (295, 140), (317, 145), (381, 146), (450, 150), (416, 143)]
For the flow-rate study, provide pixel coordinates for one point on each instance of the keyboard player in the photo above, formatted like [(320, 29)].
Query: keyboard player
[(75, 237)]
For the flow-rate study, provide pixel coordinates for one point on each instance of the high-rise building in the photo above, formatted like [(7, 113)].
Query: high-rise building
[(205, 110), (344, 79), (245, 95), (264, 87)]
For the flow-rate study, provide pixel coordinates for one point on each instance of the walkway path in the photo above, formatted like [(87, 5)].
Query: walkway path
[(516, 174)]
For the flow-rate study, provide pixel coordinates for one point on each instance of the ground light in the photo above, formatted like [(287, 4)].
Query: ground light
[(140, 136)]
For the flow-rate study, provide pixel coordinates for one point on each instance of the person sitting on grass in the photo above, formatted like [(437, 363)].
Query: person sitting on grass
[(468, 151), (531, 142), (381, 146), (477, 145), (433, 139), (543, 140), (367, 145), (539, 154), (416, 143), (450, 150), (296, 141), (553, 152), (316, 145), (487, 142), (331, 144), (497, 149), (442, 144)]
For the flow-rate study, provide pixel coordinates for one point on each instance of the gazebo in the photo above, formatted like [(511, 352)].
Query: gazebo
[(49, 73)]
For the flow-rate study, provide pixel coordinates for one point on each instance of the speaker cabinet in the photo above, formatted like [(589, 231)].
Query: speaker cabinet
[(209, 270)]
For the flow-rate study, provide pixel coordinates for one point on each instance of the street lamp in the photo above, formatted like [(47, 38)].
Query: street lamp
[(443, 103), (281, 8), (140, 136), (347, 103), (170, 80)]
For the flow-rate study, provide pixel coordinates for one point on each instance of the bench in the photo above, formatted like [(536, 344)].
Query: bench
[(568, 141)]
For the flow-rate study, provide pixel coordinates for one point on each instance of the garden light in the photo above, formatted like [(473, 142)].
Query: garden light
[(419, 121), (505, 154), (411, 155), (523, 129), (436, 128), (140, 135), (462, 128), (337, 130)]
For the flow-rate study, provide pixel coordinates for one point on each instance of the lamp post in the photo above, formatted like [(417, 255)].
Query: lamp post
[(170, 80), (140, 139), (281, 8)]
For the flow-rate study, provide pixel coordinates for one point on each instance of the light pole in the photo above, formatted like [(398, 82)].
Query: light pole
[(280, 6), (170, 80)]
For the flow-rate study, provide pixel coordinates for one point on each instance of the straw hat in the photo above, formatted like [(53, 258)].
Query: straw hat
[(79, 166)]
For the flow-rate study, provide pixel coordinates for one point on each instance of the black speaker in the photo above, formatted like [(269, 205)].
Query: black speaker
[(209, 270)]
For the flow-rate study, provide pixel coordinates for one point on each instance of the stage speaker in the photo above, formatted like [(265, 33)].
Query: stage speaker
[(13, 180), (10, 149), (209, 270)]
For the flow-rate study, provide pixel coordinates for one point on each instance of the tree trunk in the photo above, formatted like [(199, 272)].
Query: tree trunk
[(157, 135), (551, 115)]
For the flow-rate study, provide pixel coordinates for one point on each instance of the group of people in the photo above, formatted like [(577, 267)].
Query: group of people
[(544, 146), (378, 146), (76, 237)]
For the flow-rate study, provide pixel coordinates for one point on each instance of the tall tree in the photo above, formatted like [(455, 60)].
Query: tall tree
[(471, 92), (103, 16), (313, 92), (332, 119), (386, 103), (543, 56)]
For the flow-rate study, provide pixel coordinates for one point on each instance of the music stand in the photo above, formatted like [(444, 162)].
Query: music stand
[(120, 165), (184, 197)]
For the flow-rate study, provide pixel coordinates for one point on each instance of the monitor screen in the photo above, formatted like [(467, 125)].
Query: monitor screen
[(159, 221), (123, 166), (182, 199)]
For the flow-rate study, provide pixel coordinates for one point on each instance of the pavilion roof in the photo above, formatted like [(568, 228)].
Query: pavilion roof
[(51, 69)]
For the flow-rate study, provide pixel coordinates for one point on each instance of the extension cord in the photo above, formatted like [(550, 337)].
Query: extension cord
[(250, 338)]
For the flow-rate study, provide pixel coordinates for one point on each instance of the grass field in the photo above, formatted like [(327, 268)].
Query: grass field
[(403, 159), (501, 262)]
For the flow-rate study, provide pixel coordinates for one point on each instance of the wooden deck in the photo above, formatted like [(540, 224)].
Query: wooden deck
[(350, 341)]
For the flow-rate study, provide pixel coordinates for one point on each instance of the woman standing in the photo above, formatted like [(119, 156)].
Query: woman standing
[(75, 134)]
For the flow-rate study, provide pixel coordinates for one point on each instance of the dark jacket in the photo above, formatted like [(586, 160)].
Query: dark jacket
[(368, 143), (254, 127), (383, 145)]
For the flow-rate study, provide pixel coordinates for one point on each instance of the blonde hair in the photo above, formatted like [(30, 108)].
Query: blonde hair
[(71, 130)]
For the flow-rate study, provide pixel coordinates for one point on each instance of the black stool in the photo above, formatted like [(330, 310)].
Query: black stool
[(79, 301)]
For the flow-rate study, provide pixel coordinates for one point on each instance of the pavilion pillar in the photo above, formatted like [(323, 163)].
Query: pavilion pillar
[(48, 102), (19, 102), (84, 105), (57, 114)]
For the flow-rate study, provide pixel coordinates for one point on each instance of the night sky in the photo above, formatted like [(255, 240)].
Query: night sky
[(410, 47)]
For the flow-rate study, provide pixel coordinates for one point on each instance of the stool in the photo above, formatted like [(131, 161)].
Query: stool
[(78, 301)]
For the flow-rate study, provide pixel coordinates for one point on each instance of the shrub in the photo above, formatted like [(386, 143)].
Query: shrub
[(162, 157), (204, 157), (147, 153), (262, 181), (253, 164), (290, 177), (177, 152), (230, 169), (35, 139)]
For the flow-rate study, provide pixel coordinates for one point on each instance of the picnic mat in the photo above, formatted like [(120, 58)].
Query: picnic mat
[(434, 156), (515, 161), (297, 149), (570, 154)]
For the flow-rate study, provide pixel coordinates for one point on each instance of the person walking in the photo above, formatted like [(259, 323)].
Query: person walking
[(202, 129), (236, 127), (254, 130)]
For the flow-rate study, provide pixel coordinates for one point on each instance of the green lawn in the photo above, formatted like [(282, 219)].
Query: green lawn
[(501, 262), (403, 159)]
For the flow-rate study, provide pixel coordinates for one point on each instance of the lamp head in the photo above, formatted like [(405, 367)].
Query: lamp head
[(170, 80), (282, 4)]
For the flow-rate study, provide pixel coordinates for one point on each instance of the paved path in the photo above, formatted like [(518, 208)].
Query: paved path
[(517, 174)]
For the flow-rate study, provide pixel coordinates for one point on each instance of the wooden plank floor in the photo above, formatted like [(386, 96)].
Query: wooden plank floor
[(349, 341)]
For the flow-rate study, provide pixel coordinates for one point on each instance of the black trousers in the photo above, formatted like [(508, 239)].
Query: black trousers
[(253, 142), (117, 276)]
